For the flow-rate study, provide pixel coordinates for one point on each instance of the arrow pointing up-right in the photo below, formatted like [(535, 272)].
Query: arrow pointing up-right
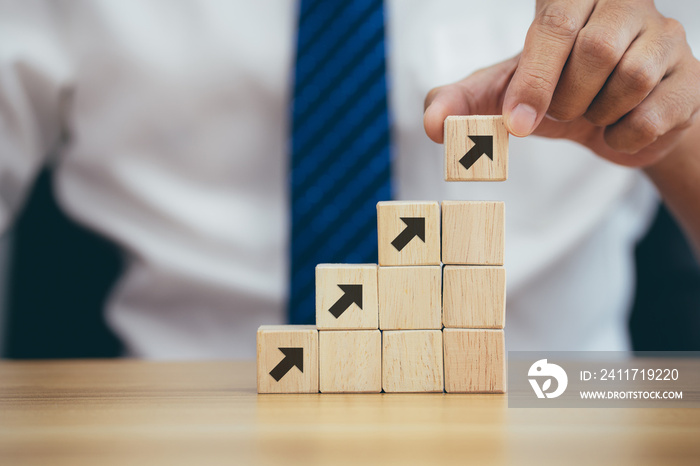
[(482, 145), (415, 227), (351, 294), (292, 357)]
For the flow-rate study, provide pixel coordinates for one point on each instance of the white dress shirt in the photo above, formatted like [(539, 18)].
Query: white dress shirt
[(168, 122)]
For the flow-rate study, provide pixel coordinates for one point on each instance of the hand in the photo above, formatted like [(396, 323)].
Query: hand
[(613, 75)]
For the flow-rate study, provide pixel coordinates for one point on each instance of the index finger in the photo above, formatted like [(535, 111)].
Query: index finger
[(547, 47)]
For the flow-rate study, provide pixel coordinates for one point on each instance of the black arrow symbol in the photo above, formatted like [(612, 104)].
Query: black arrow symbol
[(351, 294), (482, 145), (292, 357), (415, 226)]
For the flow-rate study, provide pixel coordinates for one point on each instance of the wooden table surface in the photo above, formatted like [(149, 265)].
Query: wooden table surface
[(133, 412)]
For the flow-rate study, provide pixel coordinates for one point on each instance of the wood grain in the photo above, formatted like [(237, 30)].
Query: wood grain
[(117, 412), (473, 232), (350, 361), (328, 277), (270, 339), (474, 296), (457, 144), (410, 297), (390, 225), (475, 361), (412, 361)]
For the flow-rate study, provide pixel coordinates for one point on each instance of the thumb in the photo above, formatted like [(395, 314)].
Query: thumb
[(481, 93)]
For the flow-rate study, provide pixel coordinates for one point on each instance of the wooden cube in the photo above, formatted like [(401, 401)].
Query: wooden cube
[(350, 361), (473, 232), (287, 359), (476, 148), (475, 361), (474, 296), (346, 296), (409, 233), (412, 361), (410, 297)]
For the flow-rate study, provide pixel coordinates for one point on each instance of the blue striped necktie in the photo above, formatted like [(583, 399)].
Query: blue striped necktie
[(341, 163)]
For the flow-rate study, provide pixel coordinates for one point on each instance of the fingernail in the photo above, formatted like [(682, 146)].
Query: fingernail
[(522, 120)]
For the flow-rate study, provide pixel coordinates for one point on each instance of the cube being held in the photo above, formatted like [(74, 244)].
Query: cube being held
[(346, 296), (476, 148), (287, 359), (408, 233)]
